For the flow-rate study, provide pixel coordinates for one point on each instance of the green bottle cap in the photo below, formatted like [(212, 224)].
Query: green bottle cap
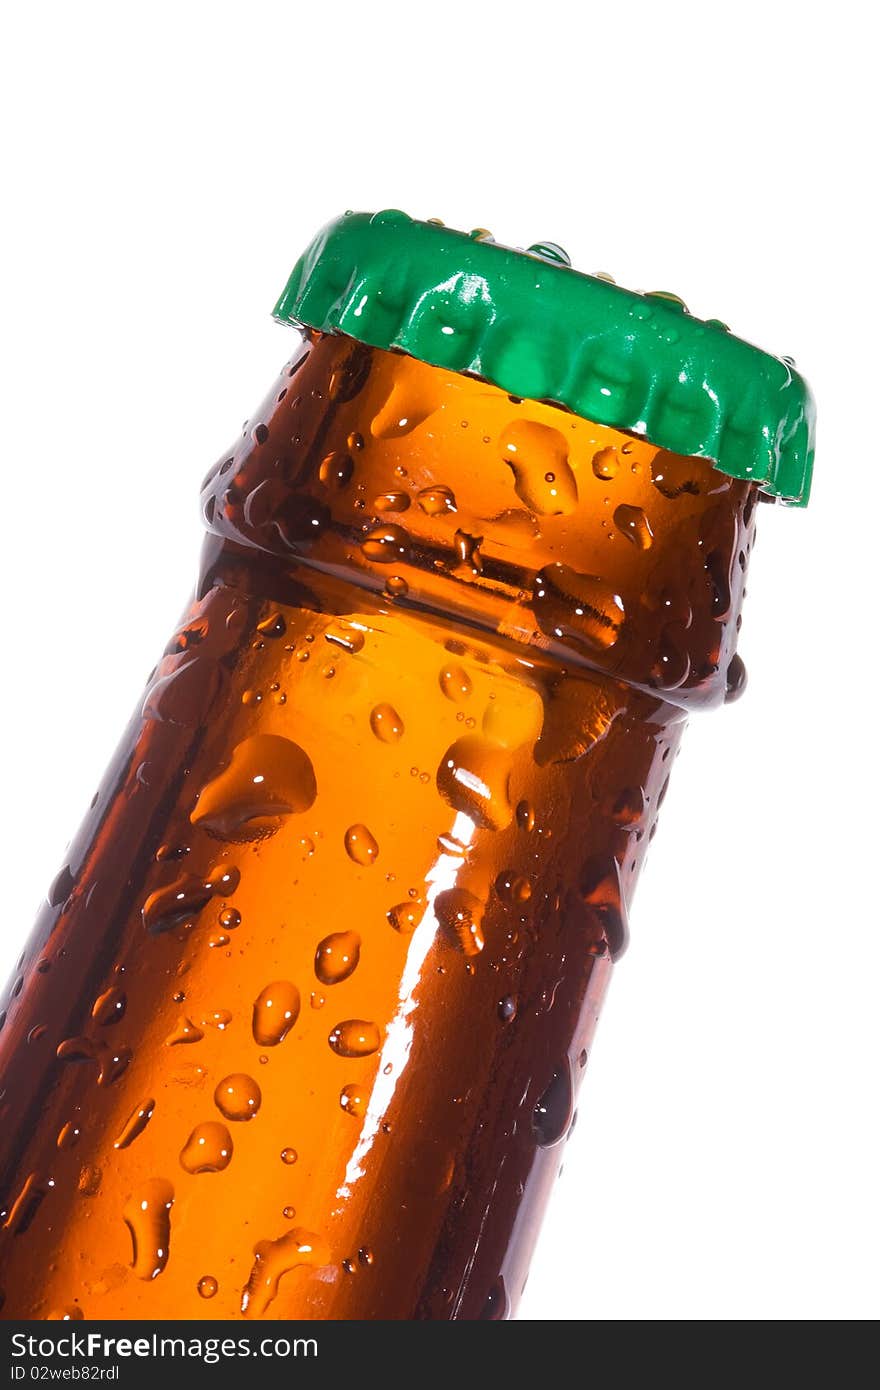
[(527, 322)]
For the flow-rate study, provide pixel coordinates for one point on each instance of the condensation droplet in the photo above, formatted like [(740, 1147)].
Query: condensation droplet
[(216, 1018), (632, 523), (580, 608), (460, 914), (109, 1007), (473, 777), (208, 1148), (542, 475), (496, 1307), (350, 639), (273, 625), (736, 679), (405, 917), (507, 1008), (207, 1286), (147, 1214), (289, 1156), (675, 474), (276, 1010), (337, 957), (238, 1096), (360, 845), (552, 1114), (184, 1032), (455, 683), (605, 464), (24, 1206), (268, 778), (353, 1100), (391, 502), (274, 1259), (386, 545), (68, 1135), (136, 1123), (386, 723), (355, 1037), (513, 888), (336, 469), (436, 500)]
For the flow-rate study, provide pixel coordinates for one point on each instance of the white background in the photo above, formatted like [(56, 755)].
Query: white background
[(163, 167)]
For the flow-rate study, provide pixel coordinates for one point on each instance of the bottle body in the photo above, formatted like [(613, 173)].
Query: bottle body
[(301, 1028)]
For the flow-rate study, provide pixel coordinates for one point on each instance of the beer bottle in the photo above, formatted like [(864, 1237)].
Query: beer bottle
[(300, 1029)]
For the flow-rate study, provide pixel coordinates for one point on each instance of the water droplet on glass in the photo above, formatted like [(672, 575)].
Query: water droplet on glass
[(337, 957), (460, 914), (736, 679), (675, 474), (350, 639), (605, 464), (549, 251), (336, 469), (632, 523), (274, 1259), (147, 1214), (542, 475), (405, 917), (136, 1123), (268, 778), (455, 683), (496, 1307), (473, 777), (216, 1018), (68, 1135), (273, 625), (391, 502), (355, 1037), (507, 1008), (353, 1100), (109, 1007), (113, 1062), (24, 1206), (386, 723), (525, 816), (606, 909), (208, 1149), (207, 1286), (62, 886), (238, 1096), (289, 1156), (183, 1032), (360, 845), (276, 1010), (437, 500), (386, 545), (580, 608), (552, 1115), (185, 695), (513, 888)]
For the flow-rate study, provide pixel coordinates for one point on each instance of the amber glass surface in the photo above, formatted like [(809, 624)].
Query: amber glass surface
[(300, 1029)]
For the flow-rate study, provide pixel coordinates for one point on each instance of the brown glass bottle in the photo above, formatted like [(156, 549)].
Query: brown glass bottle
[(300, 1029)]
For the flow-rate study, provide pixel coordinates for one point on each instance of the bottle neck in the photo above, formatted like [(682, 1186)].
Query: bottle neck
[(439, 491)]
